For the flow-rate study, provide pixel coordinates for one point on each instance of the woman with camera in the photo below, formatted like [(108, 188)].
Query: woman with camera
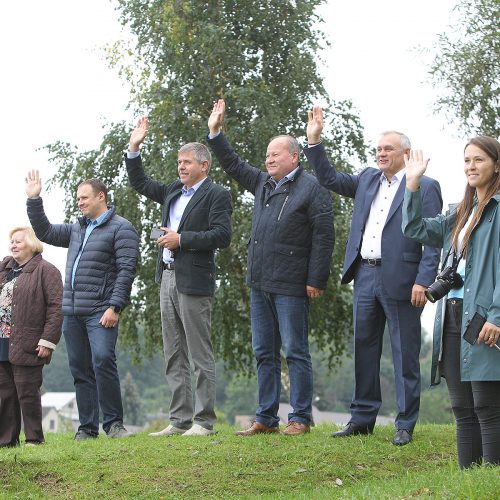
[(30, 327), (469, 289)]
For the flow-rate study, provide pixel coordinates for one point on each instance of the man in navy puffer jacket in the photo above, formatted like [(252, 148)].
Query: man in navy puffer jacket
[(103, 249)]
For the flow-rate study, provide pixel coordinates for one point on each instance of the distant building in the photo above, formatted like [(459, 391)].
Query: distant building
[(59, 412), (50, 420)]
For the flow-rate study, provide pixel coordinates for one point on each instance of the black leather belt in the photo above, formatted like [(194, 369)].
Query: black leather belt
[(454, 302), (372, 262), (168, 265)]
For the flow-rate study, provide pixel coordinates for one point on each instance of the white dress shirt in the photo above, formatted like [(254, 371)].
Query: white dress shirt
[(371, 247), (177, 208)]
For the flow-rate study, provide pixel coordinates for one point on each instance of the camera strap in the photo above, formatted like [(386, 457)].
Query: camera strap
[(456, 260)]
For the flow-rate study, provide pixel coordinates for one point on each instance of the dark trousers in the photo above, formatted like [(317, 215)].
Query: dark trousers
[(373, 308), (476, 405), (20, 392)]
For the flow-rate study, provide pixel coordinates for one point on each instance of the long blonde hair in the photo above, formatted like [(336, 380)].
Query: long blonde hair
[(491, 147)]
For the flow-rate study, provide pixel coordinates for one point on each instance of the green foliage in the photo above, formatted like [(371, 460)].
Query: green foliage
[(57, 375), (261, 56), (435, 407), (240, 397), (467, 65), (227, 466), (132, 408)]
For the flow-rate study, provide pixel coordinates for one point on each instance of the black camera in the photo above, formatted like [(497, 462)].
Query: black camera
[(446, 280)]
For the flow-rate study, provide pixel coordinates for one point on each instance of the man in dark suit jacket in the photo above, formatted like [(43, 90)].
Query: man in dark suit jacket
[(390, 272), (196, 220)]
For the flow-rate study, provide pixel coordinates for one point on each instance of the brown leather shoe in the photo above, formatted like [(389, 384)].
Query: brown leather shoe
[(296, 429), (258, 428)]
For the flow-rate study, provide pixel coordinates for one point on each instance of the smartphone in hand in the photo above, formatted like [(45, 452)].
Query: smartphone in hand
[(474, 328), (156, 233)]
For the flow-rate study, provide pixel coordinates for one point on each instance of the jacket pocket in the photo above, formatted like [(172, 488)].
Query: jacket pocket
[(411, 257), (204, 268), (102, 290), (482, 306), (290, 264), (29, 339), (202, 263)]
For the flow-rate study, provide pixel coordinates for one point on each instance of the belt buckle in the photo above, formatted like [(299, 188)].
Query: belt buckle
[(371, 262)]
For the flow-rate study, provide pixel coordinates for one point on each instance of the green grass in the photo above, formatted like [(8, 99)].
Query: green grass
[(224, 466)]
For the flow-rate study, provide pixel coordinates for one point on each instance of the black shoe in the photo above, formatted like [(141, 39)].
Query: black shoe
[(402, 437), (15, 444), (352, 429), (82, 436)]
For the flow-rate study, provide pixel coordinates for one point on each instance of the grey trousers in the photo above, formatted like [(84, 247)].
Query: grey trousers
[(186, 328)]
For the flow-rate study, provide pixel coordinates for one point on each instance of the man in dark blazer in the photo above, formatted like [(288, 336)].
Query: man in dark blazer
[(390, 272), (196, 220)]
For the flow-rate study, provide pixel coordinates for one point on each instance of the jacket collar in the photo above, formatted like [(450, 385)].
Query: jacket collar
[(272, 184), (29, 267), (197, 196), (84, 221)]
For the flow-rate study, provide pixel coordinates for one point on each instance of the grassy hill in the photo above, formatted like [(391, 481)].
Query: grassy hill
[(224, 466)]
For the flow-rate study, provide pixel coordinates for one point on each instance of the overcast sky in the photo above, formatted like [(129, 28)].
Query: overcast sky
[(56, 85)]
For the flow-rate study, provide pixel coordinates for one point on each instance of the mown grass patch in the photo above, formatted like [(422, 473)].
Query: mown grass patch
[(225, 466)]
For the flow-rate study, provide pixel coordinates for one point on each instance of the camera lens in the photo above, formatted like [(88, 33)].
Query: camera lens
[(437, 290)]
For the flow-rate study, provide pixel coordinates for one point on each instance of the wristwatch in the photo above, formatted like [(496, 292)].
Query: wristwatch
[(117, 309)]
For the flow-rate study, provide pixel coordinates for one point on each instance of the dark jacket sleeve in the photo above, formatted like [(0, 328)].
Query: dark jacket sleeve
[(323, 238), (245, 174), (219, 221), (53, 234), (126, 256), (432, 205), (156, 191), (53, 291), (327, 175)]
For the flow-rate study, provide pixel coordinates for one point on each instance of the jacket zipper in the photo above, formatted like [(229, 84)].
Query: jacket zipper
[(281, 211)]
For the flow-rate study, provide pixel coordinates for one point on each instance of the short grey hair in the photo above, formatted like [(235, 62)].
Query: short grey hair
[(405, 141), (293, 144), (200, 152)]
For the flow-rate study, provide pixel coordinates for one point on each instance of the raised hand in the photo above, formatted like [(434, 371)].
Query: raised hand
[(415, 168), (138, 134), (33, 184), (216, 119), (314, 125)]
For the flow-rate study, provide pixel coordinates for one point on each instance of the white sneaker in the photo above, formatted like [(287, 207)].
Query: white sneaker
[(168, 431), (198, 430)]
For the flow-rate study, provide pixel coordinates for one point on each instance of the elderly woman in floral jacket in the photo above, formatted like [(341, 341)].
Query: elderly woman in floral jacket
[(30, 327)]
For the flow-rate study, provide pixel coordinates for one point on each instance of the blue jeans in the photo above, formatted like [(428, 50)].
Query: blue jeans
[(281, 320), (92, 361)]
